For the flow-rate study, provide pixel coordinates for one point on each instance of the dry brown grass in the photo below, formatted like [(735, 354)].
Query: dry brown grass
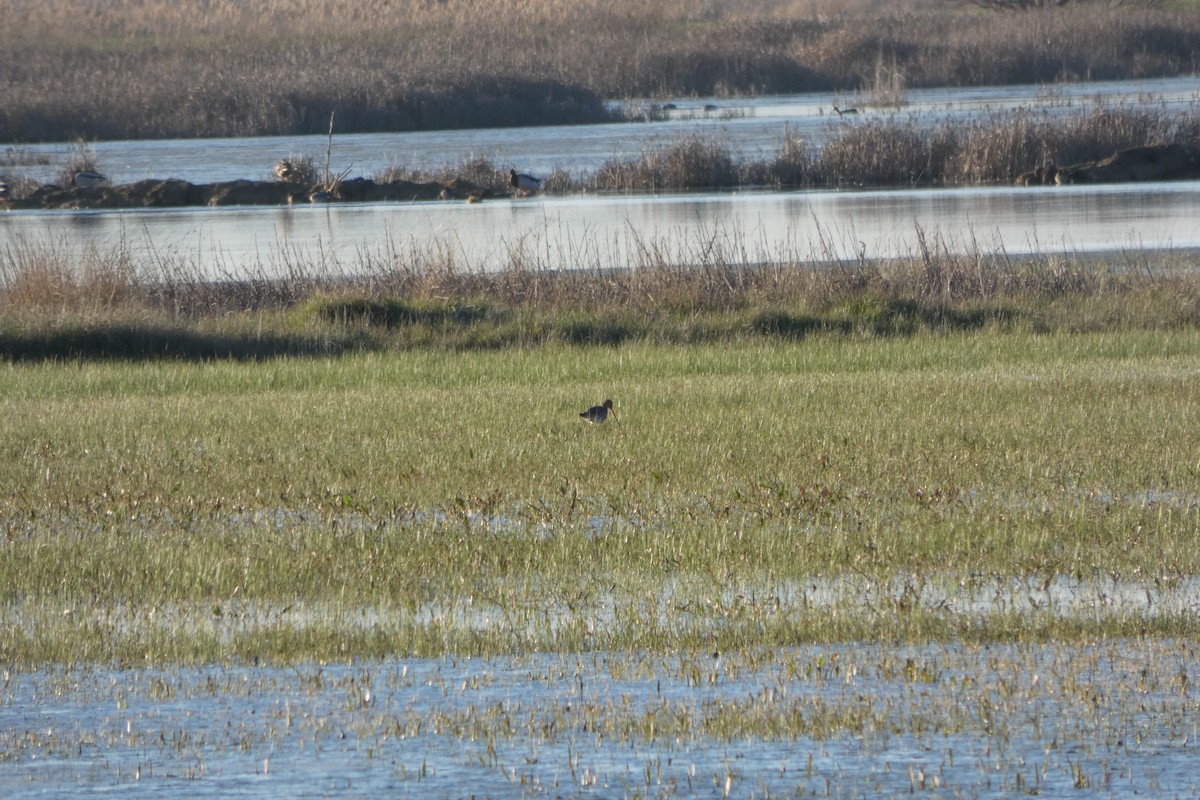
[(110, 304), (879, 152), (193, 68)]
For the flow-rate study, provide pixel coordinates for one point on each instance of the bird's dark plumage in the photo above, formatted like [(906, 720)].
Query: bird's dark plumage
[(524, 184), (598, 414)]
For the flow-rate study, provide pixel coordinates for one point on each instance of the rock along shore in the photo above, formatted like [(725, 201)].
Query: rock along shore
[(1165, 162), (172, 192)]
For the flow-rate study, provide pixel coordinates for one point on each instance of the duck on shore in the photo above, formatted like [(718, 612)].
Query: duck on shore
[(87, 179), (522, 183)]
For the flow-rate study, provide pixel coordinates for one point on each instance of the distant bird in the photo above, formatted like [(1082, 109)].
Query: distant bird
[(841, 112), (5, 192), (710, 106), (524, 184), (598, 414), (447, 193), (474, 197), (86, 179), (320, 197), (285, 170)]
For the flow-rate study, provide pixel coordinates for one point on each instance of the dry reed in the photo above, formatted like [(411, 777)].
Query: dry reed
[(115, 306), (195, 68)]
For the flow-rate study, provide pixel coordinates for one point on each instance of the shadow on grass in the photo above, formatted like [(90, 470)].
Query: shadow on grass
[(397, 313), (362, 325), (148, 343)]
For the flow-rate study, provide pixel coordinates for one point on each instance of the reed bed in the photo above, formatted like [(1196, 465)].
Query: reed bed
[(878, 151), (196, 68)]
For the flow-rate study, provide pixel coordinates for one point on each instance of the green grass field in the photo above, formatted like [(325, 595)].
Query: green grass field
[(431, 502)]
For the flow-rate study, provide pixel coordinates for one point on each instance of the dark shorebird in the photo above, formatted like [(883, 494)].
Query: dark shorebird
[(524, 184), (598, 414), (841, 112), (86, 179)]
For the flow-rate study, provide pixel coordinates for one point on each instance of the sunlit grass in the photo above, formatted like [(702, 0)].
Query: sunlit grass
[(459, 497)]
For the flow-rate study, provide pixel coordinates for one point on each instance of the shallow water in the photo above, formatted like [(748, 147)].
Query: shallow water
[(621, 231), (750, 127), (853, 720), (598, 231)]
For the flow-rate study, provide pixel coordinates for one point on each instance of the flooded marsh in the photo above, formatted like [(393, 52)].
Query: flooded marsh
[(922, 526), (841, 566), (1104, 719)]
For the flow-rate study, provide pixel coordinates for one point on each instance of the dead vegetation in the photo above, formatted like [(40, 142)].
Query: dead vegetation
[(225, 68)]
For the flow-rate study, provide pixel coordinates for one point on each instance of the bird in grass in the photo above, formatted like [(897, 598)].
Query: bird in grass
[(841, 112), (5, 192), (598, 414), (524, 184), (86, 179)]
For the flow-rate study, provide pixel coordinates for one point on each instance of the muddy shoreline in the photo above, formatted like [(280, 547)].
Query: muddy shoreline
[(1167, 162), (175, 193)]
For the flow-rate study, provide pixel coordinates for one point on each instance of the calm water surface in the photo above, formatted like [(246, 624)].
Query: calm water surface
[(618, 231)]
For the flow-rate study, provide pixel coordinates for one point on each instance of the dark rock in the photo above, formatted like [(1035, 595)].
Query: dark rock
[(1166, 162), (172, 192)]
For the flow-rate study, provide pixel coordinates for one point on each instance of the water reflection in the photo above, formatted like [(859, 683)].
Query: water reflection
[(600, 232)]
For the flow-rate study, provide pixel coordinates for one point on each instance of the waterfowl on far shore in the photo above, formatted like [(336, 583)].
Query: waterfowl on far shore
[(286, 170), (841, 112), (87, 179), (598, 414), (524, 184)]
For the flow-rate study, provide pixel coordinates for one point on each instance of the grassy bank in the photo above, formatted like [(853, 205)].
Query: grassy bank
[(113, 303), (191, 69)]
